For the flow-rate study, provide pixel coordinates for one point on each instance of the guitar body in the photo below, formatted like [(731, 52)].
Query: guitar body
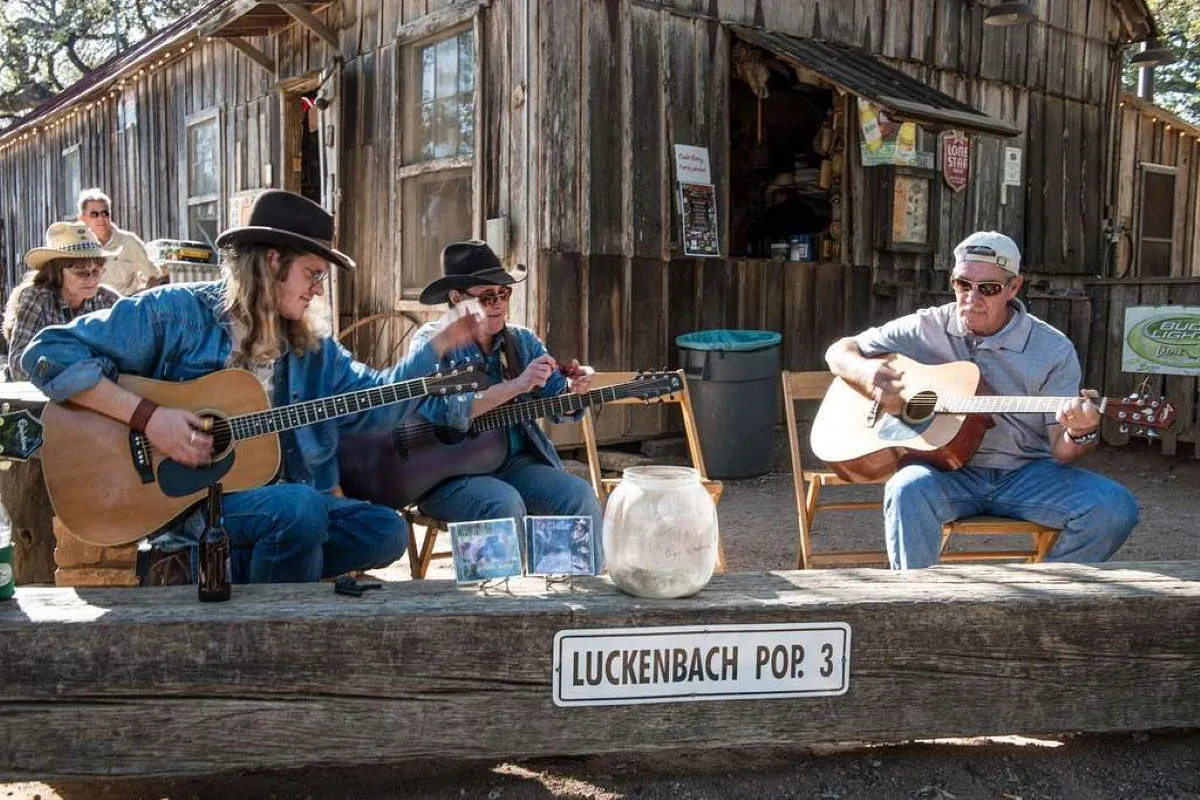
[(862, 447), (92, 473), (397, 469)]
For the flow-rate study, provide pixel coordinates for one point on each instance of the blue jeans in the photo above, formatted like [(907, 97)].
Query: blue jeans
[(523, 485), (293, 533), (1096, 514)]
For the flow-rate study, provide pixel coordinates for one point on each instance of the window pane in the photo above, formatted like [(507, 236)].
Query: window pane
[(202, 223), (73, 181), (440, 117), (1156, 259), (202, 159), (437, 211)]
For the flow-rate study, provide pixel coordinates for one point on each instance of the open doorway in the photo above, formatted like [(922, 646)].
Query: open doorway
[(302, 140), (782, 148)]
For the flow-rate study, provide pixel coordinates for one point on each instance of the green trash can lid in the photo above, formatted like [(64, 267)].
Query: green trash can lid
[(724, 339)]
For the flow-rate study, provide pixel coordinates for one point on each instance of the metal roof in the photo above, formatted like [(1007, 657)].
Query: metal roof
[(856, 71)]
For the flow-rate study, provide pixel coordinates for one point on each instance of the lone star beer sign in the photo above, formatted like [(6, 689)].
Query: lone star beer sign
[(956, 159)]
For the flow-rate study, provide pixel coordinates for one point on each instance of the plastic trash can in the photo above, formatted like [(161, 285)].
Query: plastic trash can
[(733, 378)]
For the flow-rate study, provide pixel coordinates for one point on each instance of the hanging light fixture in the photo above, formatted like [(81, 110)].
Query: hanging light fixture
[(1007, 13), (1154, 54)]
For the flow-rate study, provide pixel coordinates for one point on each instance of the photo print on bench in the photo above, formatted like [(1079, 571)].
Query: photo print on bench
[(485, 550), (560, 546)]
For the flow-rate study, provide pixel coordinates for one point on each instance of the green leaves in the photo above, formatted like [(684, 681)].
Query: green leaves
[(46, 45)]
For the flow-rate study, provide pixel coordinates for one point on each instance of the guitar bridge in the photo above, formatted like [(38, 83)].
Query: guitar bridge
[(139, 453)]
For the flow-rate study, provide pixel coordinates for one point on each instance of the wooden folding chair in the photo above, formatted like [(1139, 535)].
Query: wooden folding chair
[(604, 486), (420, 557), (801, 386)]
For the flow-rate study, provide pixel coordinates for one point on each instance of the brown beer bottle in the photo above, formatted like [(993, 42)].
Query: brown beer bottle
[(214, 580)]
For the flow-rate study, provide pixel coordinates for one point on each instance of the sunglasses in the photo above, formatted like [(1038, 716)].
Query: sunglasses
[(985, 288), (86, 272), (492, 298), (104, 213), (315, 278)]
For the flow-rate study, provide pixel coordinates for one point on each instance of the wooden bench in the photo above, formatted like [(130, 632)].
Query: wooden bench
[(150, 681)]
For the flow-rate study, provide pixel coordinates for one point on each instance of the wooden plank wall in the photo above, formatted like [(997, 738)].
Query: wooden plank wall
[(621, 81), (1148, 135)]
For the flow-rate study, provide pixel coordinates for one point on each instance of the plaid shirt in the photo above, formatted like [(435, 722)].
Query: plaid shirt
[(39, 306)]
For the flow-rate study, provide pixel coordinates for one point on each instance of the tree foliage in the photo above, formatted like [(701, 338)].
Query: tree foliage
[(1177, 85), (46, 45)]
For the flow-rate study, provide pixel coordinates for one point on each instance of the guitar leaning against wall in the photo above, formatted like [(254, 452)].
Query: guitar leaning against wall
[(945, 416), (111, 487)]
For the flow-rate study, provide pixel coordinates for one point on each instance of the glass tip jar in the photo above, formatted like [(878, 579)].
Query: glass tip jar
[(660, 532)]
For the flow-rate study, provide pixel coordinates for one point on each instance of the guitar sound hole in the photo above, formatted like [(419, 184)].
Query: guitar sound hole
[(221, 433), (921, 407)]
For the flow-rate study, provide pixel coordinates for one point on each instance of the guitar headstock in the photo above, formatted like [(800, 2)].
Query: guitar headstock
[(1141, 413), (649, 385), (457, 379), (20, 435)]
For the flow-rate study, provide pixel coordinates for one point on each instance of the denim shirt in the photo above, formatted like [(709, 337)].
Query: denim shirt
[(179, 332), (455, 411)]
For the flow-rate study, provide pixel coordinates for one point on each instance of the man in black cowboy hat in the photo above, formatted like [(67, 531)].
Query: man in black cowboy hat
[(265, 316), (532, 479)]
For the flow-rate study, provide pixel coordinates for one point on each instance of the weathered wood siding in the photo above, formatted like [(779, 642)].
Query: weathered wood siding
[(1146, 134)]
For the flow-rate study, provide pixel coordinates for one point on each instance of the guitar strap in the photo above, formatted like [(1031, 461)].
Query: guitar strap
[(510, 361)]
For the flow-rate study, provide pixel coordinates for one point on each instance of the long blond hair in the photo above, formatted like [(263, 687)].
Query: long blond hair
[(252, 299), (49, 275)]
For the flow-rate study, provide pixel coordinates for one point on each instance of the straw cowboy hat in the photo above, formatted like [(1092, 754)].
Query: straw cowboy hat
[(286, 219), (67, 240), (467, 264)]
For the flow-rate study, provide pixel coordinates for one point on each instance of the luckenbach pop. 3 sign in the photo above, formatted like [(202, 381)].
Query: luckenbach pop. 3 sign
[(622, 666)]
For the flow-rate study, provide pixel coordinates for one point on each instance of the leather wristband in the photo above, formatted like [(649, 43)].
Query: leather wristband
[(141, 415)]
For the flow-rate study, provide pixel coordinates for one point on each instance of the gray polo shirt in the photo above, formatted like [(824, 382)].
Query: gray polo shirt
[(1026, 358)]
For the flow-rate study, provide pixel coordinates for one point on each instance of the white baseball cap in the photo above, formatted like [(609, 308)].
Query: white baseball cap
[(989, 247)]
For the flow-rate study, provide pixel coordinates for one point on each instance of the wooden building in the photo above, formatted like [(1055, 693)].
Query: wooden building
[(550, 129)]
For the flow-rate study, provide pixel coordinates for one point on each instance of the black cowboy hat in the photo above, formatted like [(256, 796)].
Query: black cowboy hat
[(467, 264), (286, 219)]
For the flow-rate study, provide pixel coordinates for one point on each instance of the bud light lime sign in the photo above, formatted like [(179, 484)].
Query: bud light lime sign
[(1162, 339)]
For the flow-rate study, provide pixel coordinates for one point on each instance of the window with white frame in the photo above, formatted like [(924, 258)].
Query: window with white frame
[(203, 176), (438, 151), (72, 180)]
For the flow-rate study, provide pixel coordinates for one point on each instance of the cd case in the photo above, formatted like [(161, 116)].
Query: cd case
[(485, 549), (560, 545)]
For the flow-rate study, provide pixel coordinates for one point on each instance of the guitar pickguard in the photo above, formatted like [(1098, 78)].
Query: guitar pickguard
[(176, 480), (895, 429)]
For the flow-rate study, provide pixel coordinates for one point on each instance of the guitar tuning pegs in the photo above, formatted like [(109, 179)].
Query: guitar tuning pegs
[(1152, 434), (1123, 429)]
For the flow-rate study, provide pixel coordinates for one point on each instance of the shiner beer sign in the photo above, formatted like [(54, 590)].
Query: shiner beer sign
[(1162, 339), (620, 666)]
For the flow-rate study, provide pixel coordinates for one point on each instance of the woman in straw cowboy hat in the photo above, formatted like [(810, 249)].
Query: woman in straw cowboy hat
[(532, 479), (62, 283), (264, 316)]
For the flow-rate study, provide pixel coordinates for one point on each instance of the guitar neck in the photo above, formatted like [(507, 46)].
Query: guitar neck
[(297, 415), (536, 409), (998, 404)]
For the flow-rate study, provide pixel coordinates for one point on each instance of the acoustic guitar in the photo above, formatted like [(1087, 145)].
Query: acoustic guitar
[(110, 486), (944, 419), (399, 469)]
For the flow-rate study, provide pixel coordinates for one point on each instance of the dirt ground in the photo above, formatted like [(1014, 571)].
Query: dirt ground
[(758, 519)]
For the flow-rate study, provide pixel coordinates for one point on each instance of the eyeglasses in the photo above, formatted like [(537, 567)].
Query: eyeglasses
[(86, 272), (104, 213), (492, 298), (315, 278), (985, 288)]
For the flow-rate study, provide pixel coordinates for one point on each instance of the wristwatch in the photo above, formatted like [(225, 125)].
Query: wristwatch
[(1087, 438)]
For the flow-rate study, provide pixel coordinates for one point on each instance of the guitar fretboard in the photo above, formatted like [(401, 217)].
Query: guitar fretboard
[(997, 404), (559, 404), (297, 415)]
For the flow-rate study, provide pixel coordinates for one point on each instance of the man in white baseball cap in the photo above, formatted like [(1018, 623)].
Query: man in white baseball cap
[(1021, 468)]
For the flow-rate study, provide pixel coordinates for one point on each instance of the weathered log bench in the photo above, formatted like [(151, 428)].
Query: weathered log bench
[(150, 681)]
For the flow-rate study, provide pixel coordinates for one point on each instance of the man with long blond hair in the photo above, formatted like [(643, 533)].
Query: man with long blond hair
[(265, 316)]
